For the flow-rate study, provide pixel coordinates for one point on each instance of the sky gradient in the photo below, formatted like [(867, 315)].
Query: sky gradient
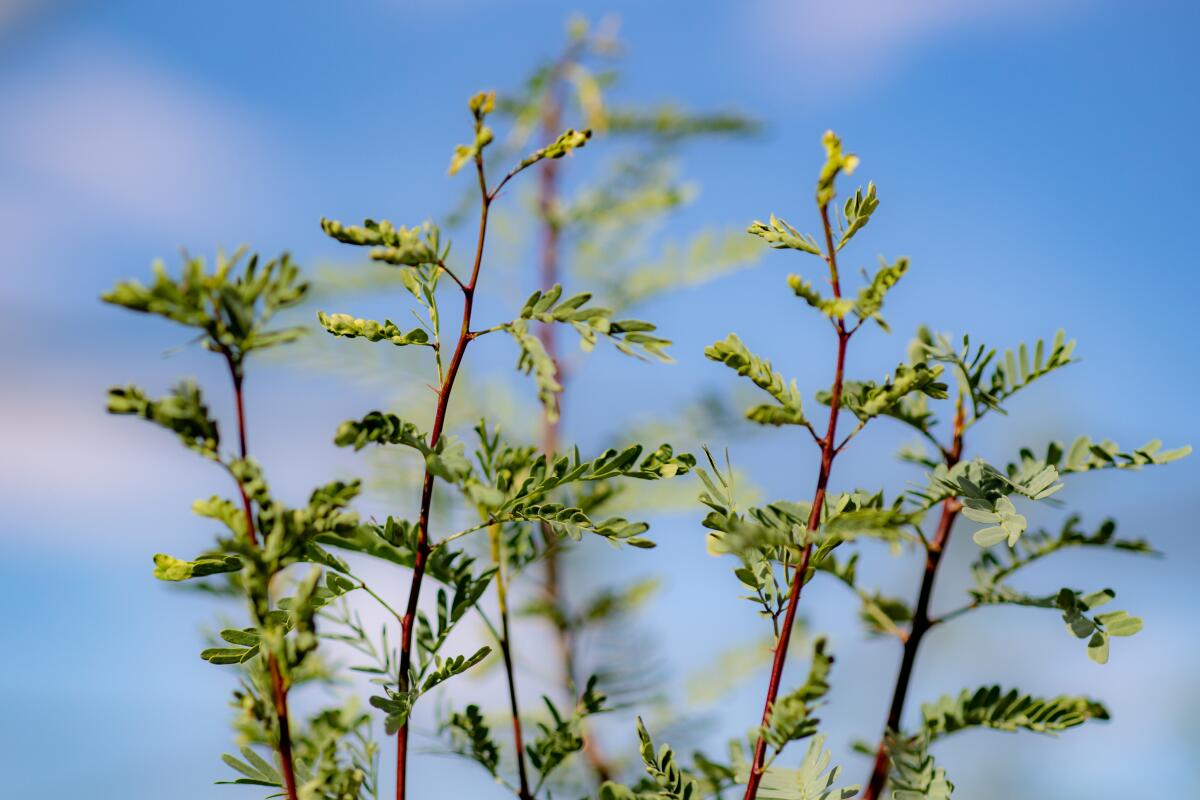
[(1035, 161)]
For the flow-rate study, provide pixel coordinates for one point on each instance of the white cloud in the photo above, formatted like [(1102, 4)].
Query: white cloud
[(97, 143), (96, 132), (87, 474), (840, 45)]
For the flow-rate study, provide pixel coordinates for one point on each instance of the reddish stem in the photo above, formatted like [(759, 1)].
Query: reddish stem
[(279, 692), (921, 622), (549, 256), (239, 404), (829, 452), (235, 372), (439, 420), (278, 685)]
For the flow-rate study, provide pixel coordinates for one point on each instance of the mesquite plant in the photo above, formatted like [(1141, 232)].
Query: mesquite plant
[(596, 230), (602, 224), (781, 546), (231, 308), (291, 566), (505, 490)]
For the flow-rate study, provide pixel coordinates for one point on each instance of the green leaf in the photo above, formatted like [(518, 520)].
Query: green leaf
[(1119, 623), (471, 734), (182, 412), (1014, 371), (546, 475), (445, 669), (832, 307), (672, 782), (791, 716), (563, 734), (351, 327), (857, 212), (1075, 608), (566, 142), (915, 776), (984, 492), (668, 123), (1008, 524), (463, 154), (393, 541), (1011, 373), (836, 163), (244, 637), (536, 361), (230, 514), (396, 541), (991, 707), (813, 780), (868, 400), (1084, 455), (397, 706), (481, 104), (448, 460), (779, 235), (992, 567), (256, 769), (183, 300), (735, 355), (229, 655), (411, 247), (169, 568), (231, 305), (870, 297), (630, 336), (573, 522), (380, 428), (615, 791)]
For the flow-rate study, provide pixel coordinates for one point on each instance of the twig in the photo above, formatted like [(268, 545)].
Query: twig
[(439, 421), (505, 640), (442, 266), (921, 622), (363, 585), (953, 615), (828, 453), (862, 424), (279, 689), (547, 199)]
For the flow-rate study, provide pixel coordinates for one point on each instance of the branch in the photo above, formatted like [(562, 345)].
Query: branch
[(828, 453), (423, 548), (813, 431), (955, 614), (505, 640), (442, 266), (547, 200), (363, 585), (279, 688), (862, 424), (921, 622)]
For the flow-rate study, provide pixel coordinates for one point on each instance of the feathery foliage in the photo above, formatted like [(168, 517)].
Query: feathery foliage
[(487, 510), (779, 547)]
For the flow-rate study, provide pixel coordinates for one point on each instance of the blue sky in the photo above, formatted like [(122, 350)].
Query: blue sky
[(1035, 159)]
